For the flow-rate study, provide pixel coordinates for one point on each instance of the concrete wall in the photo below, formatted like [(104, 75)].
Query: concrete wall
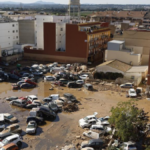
[(107, 68), (9, 35), (53, 58), (27, 31), (126, 57), (137, 38)]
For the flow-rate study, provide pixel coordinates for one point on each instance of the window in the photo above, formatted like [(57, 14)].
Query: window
[(17, 37), (13, 25), (13, 31), (16, 30), (61, 29)]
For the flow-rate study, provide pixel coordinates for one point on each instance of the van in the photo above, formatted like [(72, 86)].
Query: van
[(2, 122)]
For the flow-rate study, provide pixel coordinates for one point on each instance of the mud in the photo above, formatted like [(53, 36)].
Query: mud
[(64, 129)]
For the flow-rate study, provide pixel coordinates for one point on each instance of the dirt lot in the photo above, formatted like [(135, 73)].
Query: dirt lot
[(62, 131)]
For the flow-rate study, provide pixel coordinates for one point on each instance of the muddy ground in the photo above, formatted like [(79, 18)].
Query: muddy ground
[(64, 129)]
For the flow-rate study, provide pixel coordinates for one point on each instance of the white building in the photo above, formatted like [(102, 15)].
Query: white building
[(60, 29), (9, 34)]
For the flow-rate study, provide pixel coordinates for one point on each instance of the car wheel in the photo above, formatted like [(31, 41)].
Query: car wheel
[(19, 143)]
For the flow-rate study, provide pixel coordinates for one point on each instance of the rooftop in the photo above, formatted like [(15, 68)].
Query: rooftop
[(124, 14), (4, 19), (117, 65), (116, 41)]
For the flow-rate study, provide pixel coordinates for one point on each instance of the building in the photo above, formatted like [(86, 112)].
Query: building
[(131, 55), (39, 27), (26, 31), (114, 66), (84, 42), (130, 73), (10, 50), (138, 38), (118, 16)]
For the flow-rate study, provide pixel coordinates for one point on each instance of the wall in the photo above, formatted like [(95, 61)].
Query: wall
[(76, 47), (107, 68), (26, 31), (137, 38), (123, 56), (9, 35), (136, 49)]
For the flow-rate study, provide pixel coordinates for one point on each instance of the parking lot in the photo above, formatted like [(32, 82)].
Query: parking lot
[(64, 129)]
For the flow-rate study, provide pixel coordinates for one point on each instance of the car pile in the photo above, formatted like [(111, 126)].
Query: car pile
[(10, 135), (98, 127)]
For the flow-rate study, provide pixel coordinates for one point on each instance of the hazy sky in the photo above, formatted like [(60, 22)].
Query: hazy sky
[(91, 1)]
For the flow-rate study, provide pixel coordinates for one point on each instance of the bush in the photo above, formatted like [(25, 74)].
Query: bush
[(108, 75)]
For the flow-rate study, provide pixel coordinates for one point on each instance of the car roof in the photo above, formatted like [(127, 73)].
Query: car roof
[(16, 124), (90, 116), (54, 95), (68, 94), (128, 83), (88, 84), (129, 142), (31, 122), (32, 96), (97, 125), (12, 136), (131, 89), (9, 145), (7, 114)]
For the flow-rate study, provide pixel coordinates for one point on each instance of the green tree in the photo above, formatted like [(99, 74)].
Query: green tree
[(128, 120)]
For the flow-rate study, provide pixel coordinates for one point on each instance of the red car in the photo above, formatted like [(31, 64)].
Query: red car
[(25, 99), (30, 82)]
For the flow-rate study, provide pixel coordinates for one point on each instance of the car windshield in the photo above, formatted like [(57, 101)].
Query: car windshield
[(132, 92), (86, 118), (1, 122), (5, 141), (131, 146), (31, 126), (53, 105)]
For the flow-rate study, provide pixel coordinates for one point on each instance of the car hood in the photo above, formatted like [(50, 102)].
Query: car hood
[(30, 129), (1, 144), (132, 94), (13, 119), (84, 143)]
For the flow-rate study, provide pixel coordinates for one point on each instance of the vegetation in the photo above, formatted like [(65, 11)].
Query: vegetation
[(129, 121), (108, 75)]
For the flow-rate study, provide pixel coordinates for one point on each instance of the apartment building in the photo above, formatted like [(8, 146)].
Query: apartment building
[(39, 27), (85, 42), (9, 34)]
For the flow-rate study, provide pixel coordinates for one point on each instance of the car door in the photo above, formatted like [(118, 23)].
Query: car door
[(92, 145)]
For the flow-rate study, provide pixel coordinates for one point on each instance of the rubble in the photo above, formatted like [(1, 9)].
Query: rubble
[(70, 107)]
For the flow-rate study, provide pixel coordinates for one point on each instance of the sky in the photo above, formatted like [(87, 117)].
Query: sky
[(90, 1)]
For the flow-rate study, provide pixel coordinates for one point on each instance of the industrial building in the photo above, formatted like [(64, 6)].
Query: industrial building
[(131, 55), (84, 42)]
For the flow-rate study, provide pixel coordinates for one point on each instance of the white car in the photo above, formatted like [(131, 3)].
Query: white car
[(83, 77), (31, 128), (132, 93), (15, 138), (49, 78), (100, 128), (32, 97), (106, 118), (126, 85), (128, 146), (54, 96), (80, 81), (87, 148), (88, 121), (91, 134)]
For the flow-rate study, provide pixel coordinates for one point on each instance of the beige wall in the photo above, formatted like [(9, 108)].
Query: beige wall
[(137, 38), (26, 32), (125, 57), (61, 59), (136, 49)]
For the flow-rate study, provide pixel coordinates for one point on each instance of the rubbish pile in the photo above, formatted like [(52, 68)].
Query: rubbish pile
[(70, 107)]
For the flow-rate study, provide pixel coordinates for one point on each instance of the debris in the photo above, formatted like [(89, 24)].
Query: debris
[(70, 107)]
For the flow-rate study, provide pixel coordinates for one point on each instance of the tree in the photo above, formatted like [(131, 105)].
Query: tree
[(129, 120)]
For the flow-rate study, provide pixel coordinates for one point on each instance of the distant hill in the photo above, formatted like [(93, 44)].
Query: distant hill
[(16, 3)]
